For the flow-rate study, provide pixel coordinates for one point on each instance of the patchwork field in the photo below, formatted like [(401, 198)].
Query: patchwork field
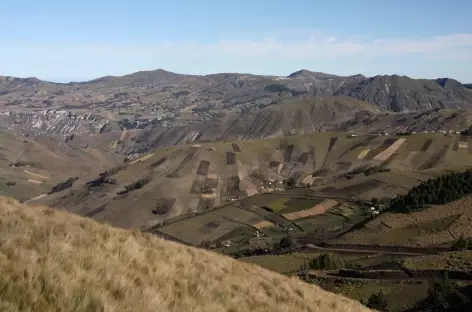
[(435, 226), (32, 166), (200, 177)]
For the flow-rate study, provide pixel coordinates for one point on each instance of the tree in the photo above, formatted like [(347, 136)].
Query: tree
[(377, 301), (327, 261), (440, 289), (375, 201), (461, 244), (286, 242)]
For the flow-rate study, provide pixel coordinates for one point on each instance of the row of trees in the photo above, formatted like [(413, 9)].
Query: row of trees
[(366, 171), (441, 190), (63, 185)]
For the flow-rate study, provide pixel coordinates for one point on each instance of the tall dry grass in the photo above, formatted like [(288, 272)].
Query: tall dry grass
[(55, 261)]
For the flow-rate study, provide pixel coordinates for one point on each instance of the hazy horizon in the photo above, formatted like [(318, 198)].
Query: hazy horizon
[(61, 42), (241, 73)]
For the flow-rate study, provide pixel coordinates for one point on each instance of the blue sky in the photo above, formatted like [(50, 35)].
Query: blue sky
[(81, 40)]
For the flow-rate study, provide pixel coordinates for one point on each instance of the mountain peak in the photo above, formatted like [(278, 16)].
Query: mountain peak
[(448, 83), (308, 73)]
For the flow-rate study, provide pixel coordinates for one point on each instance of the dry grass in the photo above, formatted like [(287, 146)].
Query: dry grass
[(453, 261), (433, 226), (54, 261), (363, 153), (263, 224), (383, 156)]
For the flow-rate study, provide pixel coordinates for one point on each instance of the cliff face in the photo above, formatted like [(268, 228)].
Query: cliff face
[(52, 122)]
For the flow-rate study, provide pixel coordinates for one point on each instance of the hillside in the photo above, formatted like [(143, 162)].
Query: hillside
[(170, 99), (399, 93), (30, 166), (194, 178), (439, 225), (294, 116), (331, 114), (51, 260)]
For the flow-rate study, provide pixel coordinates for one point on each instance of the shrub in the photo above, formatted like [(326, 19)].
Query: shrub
[(377, 301), (135, 186), (327, 261), (461, 244), (63, 185), (440, 289), (286, 242), (276, 88)]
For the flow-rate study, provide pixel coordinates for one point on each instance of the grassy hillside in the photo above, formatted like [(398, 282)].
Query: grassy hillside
[(54, 261), (439, 225), (30, 166)]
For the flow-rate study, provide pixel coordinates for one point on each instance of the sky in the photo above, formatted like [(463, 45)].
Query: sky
[(66, 41)]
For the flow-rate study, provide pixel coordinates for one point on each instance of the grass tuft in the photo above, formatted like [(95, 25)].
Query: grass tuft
[(54, 261)]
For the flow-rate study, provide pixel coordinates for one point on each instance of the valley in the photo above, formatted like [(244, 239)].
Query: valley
[(297, 174)]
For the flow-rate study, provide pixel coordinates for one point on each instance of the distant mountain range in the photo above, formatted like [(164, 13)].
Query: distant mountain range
[(169, 99)]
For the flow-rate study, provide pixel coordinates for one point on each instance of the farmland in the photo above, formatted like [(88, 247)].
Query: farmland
[(434, 226), (288, 176), (245, 198)]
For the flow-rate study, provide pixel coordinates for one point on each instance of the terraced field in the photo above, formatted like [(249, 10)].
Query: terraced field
[(196, 178), (32, 166), (435, 226)]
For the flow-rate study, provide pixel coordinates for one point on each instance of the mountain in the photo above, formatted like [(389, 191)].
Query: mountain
[(400, 93), (170, 99), (289, 117), (292, 117), (80, 265)]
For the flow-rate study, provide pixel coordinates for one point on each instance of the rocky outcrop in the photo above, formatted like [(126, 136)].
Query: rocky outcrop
[(52, 122)]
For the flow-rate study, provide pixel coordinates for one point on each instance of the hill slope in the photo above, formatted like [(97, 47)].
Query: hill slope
[(196, 177), (30, 166), (293, 116), (51, 260)]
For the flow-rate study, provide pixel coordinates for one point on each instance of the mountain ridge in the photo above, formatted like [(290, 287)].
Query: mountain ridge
[(299, 73), (171, 99)]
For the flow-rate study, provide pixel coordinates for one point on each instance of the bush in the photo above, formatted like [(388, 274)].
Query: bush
[(63, 185), (135, 186), (286, 242), (440, 289), (461, 244), (327, 261), (276, 88), (267, 209), (366, 171), (377, 301), (10, 183)]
